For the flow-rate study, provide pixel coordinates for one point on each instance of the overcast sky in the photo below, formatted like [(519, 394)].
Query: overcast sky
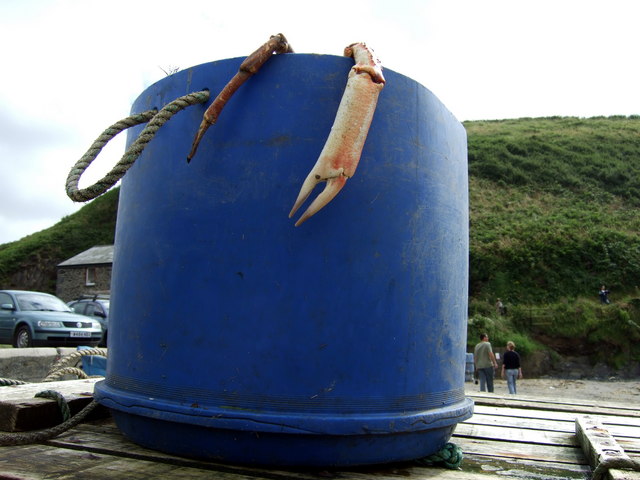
[(71, 68)]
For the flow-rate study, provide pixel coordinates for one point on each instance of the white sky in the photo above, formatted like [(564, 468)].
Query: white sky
[(71, 68)]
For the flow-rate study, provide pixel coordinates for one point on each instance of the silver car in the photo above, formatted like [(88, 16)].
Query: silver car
[(97, 307), (34, 319)]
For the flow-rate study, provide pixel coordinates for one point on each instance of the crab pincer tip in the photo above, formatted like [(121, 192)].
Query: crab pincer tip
[(196, 141)]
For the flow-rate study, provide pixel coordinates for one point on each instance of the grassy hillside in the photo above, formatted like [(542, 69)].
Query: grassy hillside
[(554, 212), (31, 262), (554, 207), (554, 215)]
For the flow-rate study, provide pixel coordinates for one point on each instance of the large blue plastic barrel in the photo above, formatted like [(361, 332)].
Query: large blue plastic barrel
[(238, 337)]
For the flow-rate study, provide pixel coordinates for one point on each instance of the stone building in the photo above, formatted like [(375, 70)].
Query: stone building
[(87, 273)]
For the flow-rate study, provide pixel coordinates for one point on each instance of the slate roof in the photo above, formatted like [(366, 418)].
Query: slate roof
[(98, 255)]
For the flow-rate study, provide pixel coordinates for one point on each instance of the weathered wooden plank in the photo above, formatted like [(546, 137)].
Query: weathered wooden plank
[(552, 400), (521, 422), (597, 443), (553, 415), (525, 468), (627, 437), (493, 449), (600, 448), (543, 437), (537, 422), (40, 461), (415, 473), (125, 468), (540, 437), (537, 404), (630, 445), (67, 387), (105, 438), (20, 411), (615, 474)]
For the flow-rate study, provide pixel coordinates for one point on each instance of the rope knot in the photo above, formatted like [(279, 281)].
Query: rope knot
[(450, 456)]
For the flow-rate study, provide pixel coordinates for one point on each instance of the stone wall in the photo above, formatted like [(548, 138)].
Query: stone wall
[(29, 364), (72, 282)]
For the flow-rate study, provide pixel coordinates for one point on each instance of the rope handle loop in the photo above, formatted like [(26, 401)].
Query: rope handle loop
[(155, 119), (66, 371), (73, 357)]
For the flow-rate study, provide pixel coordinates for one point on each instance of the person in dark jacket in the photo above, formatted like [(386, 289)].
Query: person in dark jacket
[(604, 295), (511, 367)]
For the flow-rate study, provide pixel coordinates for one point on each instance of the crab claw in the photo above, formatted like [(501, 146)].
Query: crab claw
[(341, 153), (334, 185), (250, 66)]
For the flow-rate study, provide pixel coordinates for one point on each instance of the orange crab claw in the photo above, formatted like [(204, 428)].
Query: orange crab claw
[(276, 44), (341, 153)]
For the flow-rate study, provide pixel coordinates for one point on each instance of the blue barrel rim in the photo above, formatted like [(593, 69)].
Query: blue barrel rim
[(291, 422)]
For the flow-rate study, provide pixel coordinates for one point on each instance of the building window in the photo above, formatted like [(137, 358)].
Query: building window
[(90, 277)]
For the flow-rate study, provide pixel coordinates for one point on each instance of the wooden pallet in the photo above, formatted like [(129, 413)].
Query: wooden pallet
[(508, 437), (20, 410)]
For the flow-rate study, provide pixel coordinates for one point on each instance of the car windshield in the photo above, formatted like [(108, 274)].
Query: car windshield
[(41, 302), (105, 304)]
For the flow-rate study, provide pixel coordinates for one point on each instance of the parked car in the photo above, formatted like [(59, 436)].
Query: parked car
[(33, 319), (96, 307)]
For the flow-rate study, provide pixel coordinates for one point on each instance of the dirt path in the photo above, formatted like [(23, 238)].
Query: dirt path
[(626, 392)]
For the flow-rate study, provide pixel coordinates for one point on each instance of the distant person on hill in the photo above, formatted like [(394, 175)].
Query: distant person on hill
[(604, 294), (485, 363), (500, 308), (511, 367)]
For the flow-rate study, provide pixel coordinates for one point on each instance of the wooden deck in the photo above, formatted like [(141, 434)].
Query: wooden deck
[(508, 437)]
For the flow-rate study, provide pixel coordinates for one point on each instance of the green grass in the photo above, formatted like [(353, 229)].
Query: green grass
[(554, 207)]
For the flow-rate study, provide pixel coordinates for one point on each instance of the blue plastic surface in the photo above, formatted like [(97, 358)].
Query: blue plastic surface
[(94, 365), (236, 336)]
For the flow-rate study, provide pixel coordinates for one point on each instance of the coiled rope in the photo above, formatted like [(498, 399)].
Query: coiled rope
[(156, 120), (450, 456), (12, 439), (61, 372), (72, 358)]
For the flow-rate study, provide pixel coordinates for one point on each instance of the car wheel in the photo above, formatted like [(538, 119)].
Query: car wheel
[(23, 338)]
